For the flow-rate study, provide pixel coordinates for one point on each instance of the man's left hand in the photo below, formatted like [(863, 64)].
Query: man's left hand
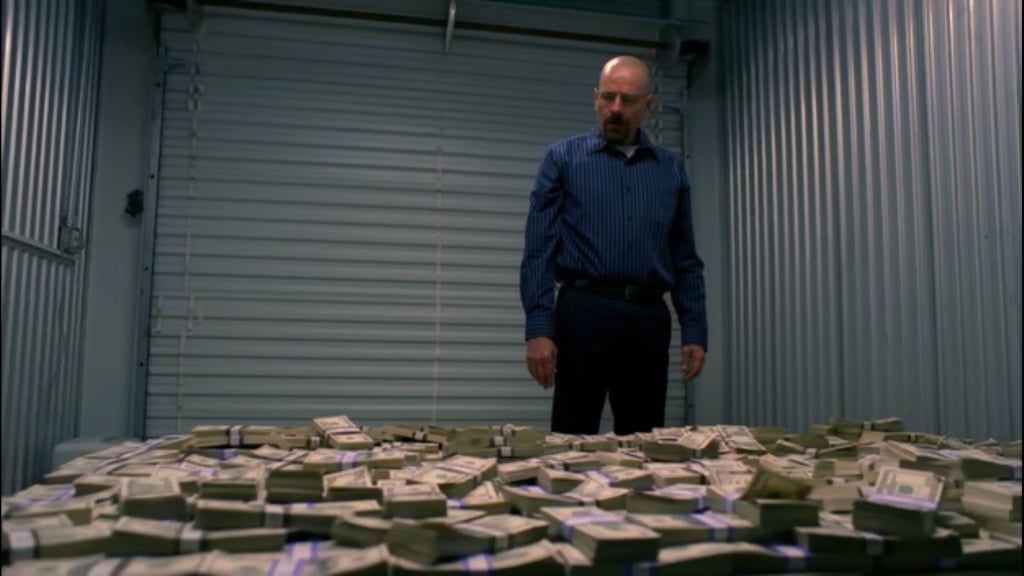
[(693, 361)]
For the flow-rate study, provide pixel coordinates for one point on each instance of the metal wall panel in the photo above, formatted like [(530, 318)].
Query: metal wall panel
[(50, 62), (341, 209), (124, 128), (874, 184)]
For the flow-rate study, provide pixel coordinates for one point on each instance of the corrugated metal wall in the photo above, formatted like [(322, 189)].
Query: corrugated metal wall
[(50, 63), (874, 208)]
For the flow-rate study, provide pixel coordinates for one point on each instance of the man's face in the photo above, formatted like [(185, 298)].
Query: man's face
[(621, 100)]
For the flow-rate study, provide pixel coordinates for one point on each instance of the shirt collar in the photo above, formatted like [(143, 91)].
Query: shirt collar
[(643, 142)]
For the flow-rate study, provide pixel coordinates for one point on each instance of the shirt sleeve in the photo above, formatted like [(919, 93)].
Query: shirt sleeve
[(537, 271), (688, 271)]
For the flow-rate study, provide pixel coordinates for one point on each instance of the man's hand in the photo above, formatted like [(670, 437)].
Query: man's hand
[(541, 357), (693, 361)]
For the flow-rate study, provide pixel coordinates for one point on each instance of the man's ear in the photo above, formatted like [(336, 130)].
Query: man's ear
[(651, 98)]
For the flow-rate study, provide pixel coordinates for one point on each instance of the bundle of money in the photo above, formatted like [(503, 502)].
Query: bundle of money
[(711, 558), (14, 524), (777, 517), (340, 432), (515, 434), (904, 503), (722, 499), (767, 435), (964, 526), (769, 484), (46, 493), (840, 540), (207, 436), (429, 543), (528, 500), (577, 564), (78, 509), (265, 452), (470, 439), (156, 498), (571, 461), (354, 484), (533, 560), (233, 484), (616, 542), (327, 460), (91, 484), (677, 529), (372, 561), (837, 497), (395, 433), (511, 472), (486, 497), (993, 500), (414, 501), (978, 464), (563, 520), (187, 476), (622, 477), (841, 450), (1010, 449), (64, 566), (314, 518), (583, 442), (739, 439), (724, 472), (668, 474), (784, 447), (291, 437), (847, 428), (591, 492), (452, 483), (678, 499), (557, 481), (626, 457), (53, 542), (507, 531), (350, 529), (810, 441), (140, 536), (789, 558), (674, 445)]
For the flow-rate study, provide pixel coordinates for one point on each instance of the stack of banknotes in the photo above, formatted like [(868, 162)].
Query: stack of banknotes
[(334, 497)]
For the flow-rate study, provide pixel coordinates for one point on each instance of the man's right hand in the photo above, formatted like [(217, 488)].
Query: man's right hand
[(541, 359)]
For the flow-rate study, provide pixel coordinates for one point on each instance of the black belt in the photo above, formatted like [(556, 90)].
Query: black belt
[(617, 290)]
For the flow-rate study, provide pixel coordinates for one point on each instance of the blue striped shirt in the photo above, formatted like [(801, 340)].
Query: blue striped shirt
[(597, 214)]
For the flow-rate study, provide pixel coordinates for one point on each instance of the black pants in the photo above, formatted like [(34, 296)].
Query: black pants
[(610, 348)]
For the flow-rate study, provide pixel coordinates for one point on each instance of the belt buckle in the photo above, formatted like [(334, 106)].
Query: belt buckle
[(633, 292)]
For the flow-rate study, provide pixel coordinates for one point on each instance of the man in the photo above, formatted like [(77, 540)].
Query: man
[(610, 223)]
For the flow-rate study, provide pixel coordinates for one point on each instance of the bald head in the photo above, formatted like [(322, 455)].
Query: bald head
[(627, 66), (622, 98)]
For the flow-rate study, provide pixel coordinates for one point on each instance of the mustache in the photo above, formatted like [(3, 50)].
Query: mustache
[(615, 119)]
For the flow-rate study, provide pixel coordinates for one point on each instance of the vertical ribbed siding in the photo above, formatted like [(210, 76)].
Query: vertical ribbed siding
[(874, 212), (51, 54)]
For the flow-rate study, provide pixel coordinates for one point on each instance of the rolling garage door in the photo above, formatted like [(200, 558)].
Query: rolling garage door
[(340, 219)]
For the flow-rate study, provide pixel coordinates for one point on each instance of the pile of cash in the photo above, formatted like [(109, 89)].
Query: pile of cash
[(846, 496)]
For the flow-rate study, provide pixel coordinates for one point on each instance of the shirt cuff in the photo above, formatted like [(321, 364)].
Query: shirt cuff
[(540, 325), (694, 335)]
